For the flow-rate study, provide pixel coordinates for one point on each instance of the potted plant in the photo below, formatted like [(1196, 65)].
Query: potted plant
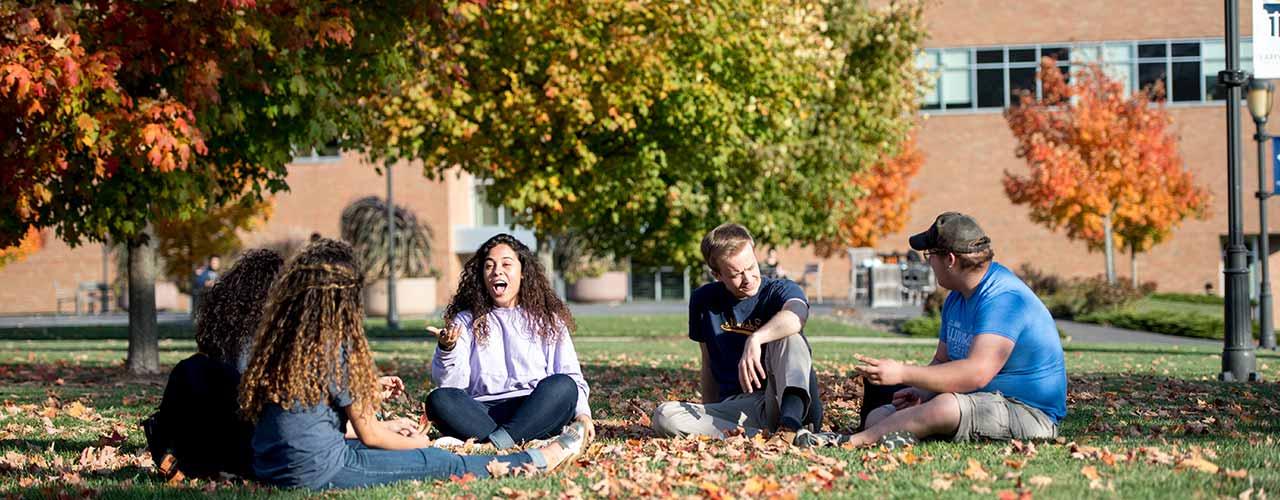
[(364, 225), (589, 277)]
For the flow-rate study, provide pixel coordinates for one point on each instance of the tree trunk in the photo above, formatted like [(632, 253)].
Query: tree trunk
[(546, 255), (1109, 249), (144, 348), (1133, 266)]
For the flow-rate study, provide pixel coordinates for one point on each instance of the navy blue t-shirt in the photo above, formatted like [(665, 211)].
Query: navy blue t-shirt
[(722, 322), (301, 446), (1002, 304)]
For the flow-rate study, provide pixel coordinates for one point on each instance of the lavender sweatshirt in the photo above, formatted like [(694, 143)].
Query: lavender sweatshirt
[(510, 364)]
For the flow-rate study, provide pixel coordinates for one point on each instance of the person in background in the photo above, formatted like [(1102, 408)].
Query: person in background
[(771, 268)]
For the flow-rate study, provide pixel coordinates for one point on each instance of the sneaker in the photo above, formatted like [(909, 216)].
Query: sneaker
[(573, 440), (447, 442), (898, 439), (806, 439)]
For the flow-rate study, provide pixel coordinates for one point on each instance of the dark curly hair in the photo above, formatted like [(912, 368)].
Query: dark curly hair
[(312, 328), (544, 312), (229, 314)]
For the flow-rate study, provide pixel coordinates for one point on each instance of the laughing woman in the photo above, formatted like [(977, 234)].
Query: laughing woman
[(505, 365), (311, 372)]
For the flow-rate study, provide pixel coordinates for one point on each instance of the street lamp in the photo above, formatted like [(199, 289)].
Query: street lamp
[(1239, 362), (1259, 98)]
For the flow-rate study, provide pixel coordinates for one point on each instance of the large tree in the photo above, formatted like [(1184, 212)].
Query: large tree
[(1104, 164), (638, 126), (118, 114)]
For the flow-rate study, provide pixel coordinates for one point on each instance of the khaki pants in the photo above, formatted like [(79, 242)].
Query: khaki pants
[(787, 363), (993, 416)]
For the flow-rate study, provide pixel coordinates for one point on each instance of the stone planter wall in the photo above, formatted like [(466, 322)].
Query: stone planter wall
[(414, 296)]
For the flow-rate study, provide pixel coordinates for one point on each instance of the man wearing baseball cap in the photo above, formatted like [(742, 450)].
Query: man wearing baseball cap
[(998, 372)]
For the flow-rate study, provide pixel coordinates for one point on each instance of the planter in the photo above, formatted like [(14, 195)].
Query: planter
[(608, 287), (414, 296)]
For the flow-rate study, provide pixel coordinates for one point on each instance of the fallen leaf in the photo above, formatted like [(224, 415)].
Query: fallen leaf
[(1040, 481), (940, 484), (497, 469), (1090, 472), (1200, 464), (976, 472), (1238, 474)]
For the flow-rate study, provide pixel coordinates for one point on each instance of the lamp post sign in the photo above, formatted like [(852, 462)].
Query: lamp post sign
[(1275, 165), (1266, 39)]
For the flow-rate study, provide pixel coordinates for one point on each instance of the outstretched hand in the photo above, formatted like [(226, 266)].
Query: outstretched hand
[(391, 386), (880, 371), (446, 337)]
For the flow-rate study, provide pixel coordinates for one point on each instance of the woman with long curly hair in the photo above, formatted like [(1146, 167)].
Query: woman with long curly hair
[(228, 315), (311, 372), (505, 365)]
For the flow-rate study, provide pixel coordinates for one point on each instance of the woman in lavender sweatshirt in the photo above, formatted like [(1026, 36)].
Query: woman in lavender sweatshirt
[(505, 366)]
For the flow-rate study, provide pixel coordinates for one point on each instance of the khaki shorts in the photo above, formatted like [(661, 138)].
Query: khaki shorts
[(992, 416)]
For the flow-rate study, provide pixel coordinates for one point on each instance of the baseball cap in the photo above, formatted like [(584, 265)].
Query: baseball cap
[(953, 232)]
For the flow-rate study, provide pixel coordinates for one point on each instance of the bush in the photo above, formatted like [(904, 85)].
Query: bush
[(1191, 298), (923, 326), (933, 303), (1080, 297), (1043, 283), (1182, 324)]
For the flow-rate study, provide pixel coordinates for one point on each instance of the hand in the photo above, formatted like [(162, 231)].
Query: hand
[(907, 398), (446, 337), (391, 386), (880, 371), (750, 371), (403, 426), (588, 425)]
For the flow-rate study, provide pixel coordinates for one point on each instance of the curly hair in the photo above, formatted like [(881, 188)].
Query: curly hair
[(544, 312), (312, 328), (228, 315)]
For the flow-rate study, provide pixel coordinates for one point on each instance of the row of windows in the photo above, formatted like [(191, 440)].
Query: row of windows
[(994, 77)]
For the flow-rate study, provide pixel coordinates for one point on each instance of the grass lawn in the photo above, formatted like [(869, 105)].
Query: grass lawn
[(655, 325), (1144, 423)]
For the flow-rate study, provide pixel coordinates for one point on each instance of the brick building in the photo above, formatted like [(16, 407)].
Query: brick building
[(981, 51)]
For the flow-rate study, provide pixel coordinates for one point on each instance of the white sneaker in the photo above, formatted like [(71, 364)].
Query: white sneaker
[(448, 442)]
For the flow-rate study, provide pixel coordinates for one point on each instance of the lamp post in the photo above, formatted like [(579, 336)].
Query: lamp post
[(1259, 99), (1238, 358), (393, 316)]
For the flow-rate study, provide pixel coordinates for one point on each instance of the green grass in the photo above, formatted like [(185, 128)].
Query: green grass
[(1161, 305), (653, 325), (1125, 399)]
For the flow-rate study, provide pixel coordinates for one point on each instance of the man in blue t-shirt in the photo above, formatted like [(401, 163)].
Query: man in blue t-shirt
[(998, 372), (757, 372)]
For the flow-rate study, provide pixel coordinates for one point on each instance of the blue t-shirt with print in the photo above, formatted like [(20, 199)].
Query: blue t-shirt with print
[(301, 446), (1002, 304), (722, 322)]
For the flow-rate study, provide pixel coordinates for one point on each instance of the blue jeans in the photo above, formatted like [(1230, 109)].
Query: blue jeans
[(505, 422), (366, 466)]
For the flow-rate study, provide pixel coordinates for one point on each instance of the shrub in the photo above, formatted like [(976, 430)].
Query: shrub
[(1182, 324), (1191, 298), (364, 225), (933, 303), (1043, 283), (923, 326)]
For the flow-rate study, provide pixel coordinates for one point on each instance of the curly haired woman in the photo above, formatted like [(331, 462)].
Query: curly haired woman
[(312, 372), (505, 365), (229, 314)]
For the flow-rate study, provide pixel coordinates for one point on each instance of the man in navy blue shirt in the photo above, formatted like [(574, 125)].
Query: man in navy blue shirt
[(757, 372), (998, 371)]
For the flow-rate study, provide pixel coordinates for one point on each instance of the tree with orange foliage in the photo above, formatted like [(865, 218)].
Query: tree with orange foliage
[(1105, 166), (120, 114), (28, 245), (886, 198)]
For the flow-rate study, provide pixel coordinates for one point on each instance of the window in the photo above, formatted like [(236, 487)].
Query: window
[(329, 151), (487, 214), (996, 77)]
